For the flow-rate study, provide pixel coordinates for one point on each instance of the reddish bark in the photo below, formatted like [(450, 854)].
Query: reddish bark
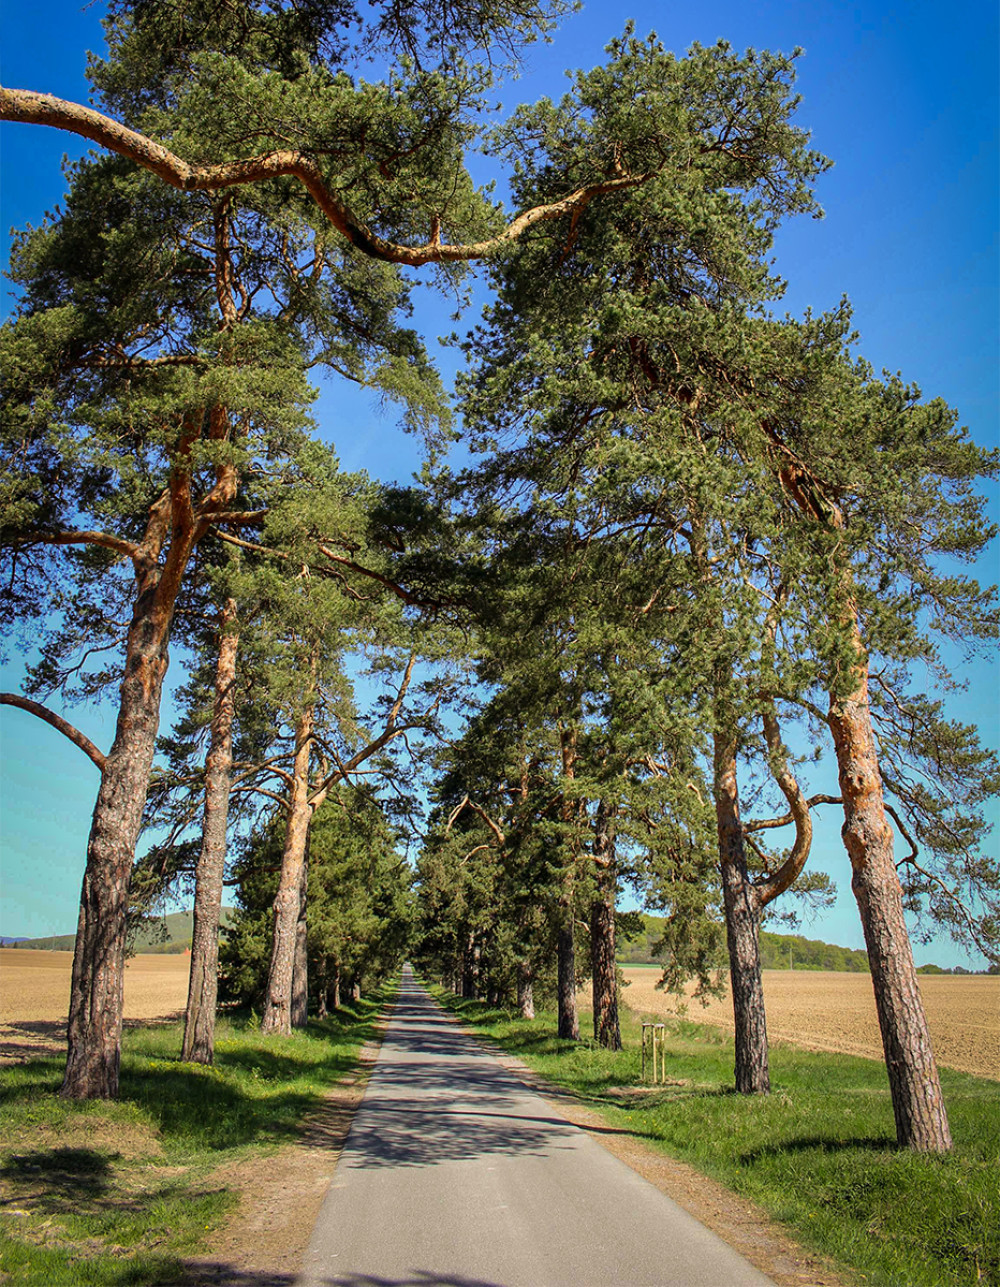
[(300, 971), (203, 983), (917, 1101)]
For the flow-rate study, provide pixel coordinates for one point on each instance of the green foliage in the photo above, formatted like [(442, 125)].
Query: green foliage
[(359, 909)]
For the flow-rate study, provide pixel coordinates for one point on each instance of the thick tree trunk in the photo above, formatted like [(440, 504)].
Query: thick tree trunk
[(203, 981), (525, 990), (96, 993), (96, 996), (607, 1030), (356, 990), (743, 913), (569, 1022), (917, 1102), (300, 971), (277, 1017)]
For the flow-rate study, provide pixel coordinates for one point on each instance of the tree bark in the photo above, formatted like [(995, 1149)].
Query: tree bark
[(743, 913), (96, 993), (569, 1021), (470, 991), (333, 989), (917, 1101), (198, 1045), (607, 1030), (300, 971), (525, 990), (277, 1017)]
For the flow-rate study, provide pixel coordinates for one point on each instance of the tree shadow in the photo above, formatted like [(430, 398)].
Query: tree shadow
[(818, 1144)]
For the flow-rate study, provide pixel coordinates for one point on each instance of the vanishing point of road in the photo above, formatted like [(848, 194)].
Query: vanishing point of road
[(455, 1174)]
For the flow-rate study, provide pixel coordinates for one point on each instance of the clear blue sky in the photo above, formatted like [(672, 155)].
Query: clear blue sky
[(903, 97)]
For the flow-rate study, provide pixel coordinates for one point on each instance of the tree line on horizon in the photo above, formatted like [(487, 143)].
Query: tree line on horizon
[(686, 527)]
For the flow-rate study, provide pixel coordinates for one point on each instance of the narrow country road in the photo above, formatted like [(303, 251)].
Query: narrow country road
[(455, 1174)]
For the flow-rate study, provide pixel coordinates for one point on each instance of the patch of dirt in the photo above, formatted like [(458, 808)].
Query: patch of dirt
[(737, 1221), (280, 1195)]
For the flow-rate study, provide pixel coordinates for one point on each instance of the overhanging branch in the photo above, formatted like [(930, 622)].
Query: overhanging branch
[(31, 108), (64, 726)]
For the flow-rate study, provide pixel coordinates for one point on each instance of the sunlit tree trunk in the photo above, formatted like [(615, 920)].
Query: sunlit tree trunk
[(917, 1101), (277, 1017), (203, 981)]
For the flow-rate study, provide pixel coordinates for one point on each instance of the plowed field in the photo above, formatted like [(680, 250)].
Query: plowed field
[(822, 1010), (34, 996)]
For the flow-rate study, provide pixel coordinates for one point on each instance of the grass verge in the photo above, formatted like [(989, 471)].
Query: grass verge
[(112, 1193), (818, 1154)]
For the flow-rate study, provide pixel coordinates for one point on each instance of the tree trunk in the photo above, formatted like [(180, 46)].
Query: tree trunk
[(568, 1019), (203, 981), (96, 992), (356, 990), (743, 913), (525, 990), (917, 1102), (322, 995), (469, 989), (333, 989), (300, 970), (277, 1017), (569, 1022), (607, 1030)]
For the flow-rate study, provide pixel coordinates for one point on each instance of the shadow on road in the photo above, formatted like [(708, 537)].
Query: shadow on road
[(463, 1105)]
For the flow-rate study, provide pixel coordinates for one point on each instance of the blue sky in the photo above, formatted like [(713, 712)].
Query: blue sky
[(903, 97)]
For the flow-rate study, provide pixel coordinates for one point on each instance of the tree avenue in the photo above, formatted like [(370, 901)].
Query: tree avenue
[(689, 535)]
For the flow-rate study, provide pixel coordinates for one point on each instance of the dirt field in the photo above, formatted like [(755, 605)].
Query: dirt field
[(34, 996), (822, 1010), (815, 1009)]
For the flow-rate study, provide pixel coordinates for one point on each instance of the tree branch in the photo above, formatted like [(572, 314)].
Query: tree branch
[(31, 108), (57, 722)]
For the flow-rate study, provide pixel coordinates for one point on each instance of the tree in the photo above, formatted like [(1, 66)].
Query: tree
[(359, 903)]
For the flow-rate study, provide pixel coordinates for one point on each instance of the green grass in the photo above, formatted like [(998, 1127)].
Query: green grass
[(819, 1154), (115, 1193)]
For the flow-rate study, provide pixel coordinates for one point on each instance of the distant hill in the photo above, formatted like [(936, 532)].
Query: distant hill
[(777, 951), (171, 934)]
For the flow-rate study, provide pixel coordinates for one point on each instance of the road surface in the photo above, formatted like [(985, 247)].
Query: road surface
[(454, 1174)]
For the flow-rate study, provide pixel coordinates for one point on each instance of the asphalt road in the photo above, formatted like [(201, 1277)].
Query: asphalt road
[(455, 1174)]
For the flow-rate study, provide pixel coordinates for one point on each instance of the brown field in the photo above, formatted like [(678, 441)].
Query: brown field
[(34, 996), (822, 1010)]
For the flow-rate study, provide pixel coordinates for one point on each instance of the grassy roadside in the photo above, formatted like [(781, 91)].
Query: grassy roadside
[(117, 1193), (819, 1154)]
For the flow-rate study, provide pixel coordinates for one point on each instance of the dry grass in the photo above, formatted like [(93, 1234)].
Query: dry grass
[(34, 996), (823, 1010)]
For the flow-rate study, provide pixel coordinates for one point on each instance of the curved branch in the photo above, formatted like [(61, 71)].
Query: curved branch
[(71, 537), (50, 717), (31, 108), (777, 758), (767, 824)]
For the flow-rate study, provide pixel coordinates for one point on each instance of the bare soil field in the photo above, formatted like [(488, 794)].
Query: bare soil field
[(823, 1010), (34, 996)]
